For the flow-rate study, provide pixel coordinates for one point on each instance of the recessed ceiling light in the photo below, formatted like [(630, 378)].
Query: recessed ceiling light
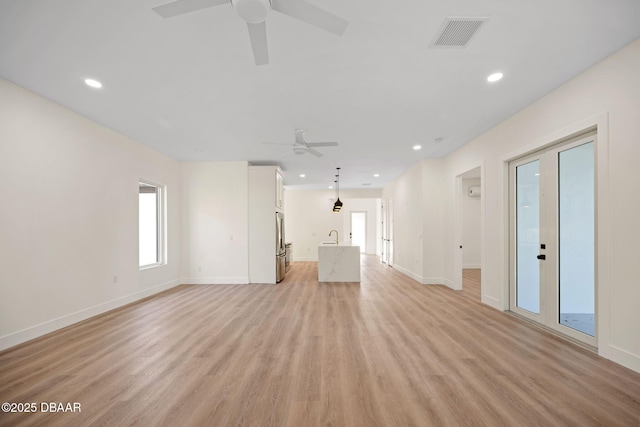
[(302, 175), (495, 77), (331, 187), (93, 83), (417, 147), (376, 175)]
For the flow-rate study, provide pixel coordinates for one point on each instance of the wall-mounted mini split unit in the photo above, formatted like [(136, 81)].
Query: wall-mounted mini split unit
[(474, 192)]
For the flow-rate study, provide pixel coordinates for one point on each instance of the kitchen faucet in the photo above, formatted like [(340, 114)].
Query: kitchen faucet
[(336, 235)]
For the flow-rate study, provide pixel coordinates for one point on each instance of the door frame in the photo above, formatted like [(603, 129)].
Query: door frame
[(458, 250), (549, 301), (383, 231), (599, 123), (390, 232), (386, 208)]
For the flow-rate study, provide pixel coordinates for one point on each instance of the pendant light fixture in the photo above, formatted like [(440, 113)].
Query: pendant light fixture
[(338, 204)]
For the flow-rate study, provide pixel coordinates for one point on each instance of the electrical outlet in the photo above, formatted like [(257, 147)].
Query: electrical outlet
[(115, 279)]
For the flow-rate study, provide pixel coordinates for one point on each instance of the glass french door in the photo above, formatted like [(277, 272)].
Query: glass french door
[(552, 238)]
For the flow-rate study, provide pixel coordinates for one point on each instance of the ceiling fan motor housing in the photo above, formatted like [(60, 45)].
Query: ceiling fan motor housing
[(252, 11), (299, 149)]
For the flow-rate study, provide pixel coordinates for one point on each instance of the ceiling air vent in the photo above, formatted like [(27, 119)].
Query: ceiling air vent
[(457, 31)]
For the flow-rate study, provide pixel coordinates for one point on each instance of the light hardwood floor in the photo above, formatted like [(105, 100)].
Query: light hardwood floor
[(471, 284), (386, 352)]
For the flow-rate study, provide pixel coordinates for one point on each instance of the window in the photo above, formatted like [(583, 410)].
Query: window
[(151, 225)]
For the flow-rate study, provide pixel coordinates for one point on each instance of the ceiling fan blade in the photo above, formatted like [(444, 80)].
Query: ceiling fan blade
[(314, 152), (322, 144), (185, 6), (311, 14), (258, 36)]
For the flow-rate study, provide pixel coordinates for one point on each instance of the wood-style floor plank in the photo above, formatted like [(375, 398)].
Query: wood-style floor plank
[(385, 352)]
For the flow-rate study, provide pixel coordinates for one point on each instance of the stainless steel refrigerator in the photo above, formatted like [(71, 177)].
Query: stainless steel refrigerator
[(280, 247)]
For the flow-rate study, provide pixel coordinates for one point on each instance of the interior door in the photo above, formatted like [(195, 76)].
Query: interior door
[(390, 232), (358, 229), (387, 231), (552, 237), (383, 232)]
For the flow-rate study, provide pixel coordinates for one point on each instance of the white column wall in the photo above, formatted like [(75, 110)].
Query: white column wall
[(215, 222), (432, 219), (407, 195)]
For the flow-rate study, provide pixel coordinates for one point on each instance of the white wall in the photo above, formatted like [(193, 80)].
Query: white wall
[(470, 216), (417, 222), (432, 218), (69, 217), (408, 208), (606, 96), (215, 222), (309, 217)]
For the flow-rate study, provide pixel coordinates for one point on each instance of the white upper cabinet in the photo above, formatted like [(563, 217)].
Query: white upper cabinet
[(269, 182), (279, 190)]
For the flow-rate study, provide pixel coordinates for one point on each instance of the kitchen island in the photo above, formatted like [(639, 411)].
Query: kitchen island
[(338, 263)]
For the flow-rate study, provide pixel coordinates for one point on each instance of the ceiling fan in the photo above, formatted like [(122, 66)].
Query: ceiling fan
[(255, 13), (301, 146)]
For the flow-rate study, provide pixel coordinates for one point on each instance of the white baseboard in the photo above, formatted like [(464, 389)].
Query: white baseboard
[(448, 283), (215, 280), (418, 278), (435, 281), (49, 326), (406, 272), (622, 357), (492, 302), (474, 266)]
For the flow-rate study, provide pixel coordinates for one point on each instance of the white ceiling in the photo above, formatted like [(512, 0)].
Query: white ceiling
[(188, 87)]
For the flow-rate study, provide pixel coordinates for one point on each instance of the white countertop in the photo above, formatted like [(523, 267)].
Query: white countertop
[(333, 243)]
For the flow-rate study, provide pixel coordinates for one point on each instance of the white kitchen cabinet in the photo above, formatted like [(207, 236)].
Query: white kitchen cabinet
[(269, 181), (279, 190), (266, 197)]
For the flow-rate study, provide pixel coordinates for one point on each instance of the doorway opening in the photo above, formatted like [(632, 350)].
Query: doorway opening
[(469, 226), (358, 230), (386, 214)]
